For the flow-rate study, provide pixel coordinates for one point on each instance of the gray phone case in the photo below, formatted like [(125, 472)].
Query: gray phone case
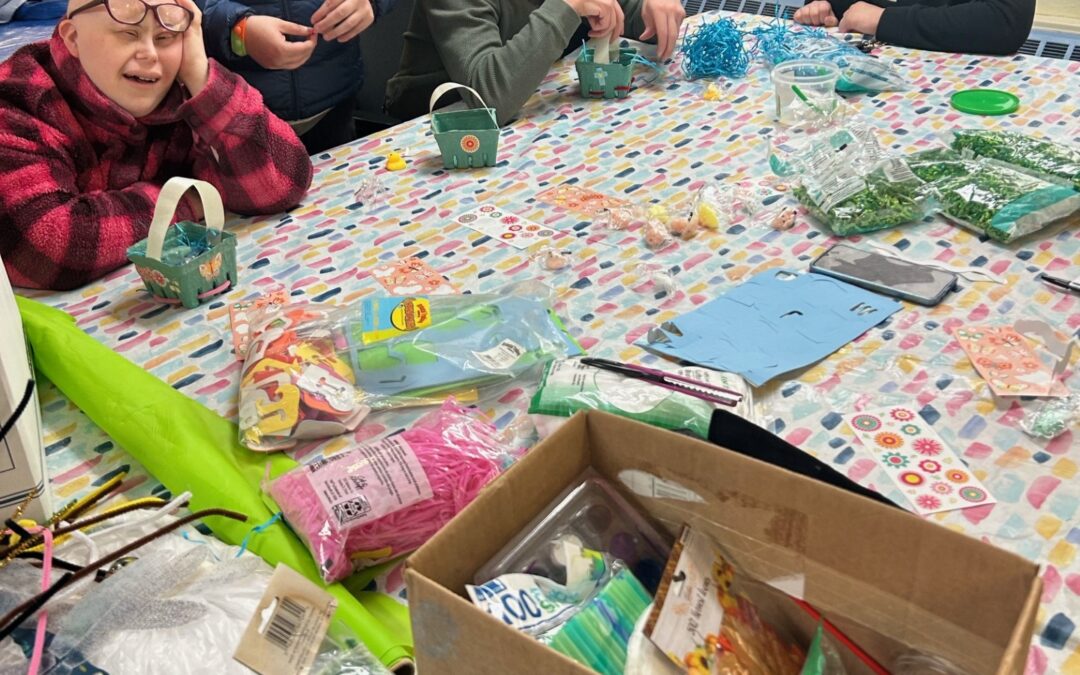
[(887, 275)]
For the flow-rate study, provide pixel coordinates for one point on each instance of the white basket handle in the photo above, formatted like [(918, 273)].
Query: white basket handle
[(446, 87), (165, 209)]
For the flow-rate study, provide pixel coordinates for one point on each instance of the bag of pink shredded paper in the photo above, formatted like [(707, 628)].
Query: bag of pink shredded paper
[(386, 498)]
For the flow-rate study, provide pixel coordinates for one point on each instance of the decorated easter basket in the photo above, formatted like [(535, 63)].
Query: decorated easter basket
[(186, 263), (605, 80), (467, 139)]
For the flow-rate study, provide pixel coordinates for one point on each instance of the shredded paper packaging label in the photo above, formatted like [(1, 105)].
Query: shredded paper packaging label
[(369, 482)]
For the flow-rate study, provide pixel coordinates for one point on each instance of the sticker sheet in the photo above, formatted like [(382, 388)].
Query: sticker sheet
[(929, 473), (1007, 362), (579, 200), (505, 226), (412, 276), (240, 314)]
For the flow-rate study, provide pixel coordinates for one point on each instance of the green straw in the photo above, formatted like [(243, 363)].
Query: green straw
[(804, 99)]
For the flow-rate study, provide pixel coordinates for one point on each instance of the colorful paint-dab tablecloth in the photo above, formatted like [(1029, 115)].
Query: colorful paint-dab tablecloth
[(658, 145)]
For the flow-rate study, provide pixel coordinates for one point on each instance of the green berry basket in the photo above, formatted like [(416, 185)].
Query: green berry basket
[(468, 139), (186, 263), (605, 80)]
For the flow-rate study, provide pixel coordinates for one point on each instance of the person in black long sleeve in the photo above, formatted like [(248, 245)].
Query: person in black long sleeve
[(962, 26)]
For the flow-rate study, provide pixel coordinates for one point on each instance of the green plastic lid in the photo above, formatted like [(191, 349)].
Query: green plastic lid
[(985, 102)]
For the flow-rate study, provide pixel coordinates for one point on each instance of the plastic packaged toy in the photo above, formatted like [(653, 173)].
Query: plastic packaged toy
[(316, 371), (992, 198), (568, 386), (593, 515), (1043, 157), (382, 499)]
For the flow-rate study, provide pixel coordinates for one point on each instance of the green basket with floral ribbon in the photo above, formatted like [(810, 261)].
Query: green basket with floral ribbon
[(186, 263), (467, 139)]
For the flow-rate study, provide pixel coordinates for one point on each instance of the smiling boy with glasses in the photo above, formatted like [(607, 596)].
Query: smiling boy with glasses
[(95, 120)]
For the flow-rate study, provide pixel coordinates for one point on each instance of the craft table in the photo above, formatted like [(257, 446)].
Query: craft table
[(660, 144), (18, 33)]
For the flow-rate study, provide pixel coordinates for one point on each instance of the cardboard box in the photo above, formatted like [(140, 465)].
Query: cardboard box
[(890, 580), (22, 458)]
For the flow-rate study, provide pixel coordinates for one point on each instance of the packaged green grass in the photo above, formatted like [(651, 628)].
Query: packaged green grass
[(865, 204), (1054, 161), (991, 198), (568, 386), (847, 181)]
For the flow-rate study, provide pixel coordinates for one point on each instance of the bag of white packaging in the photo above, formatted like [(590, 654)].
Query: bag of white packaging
[(23, 489)]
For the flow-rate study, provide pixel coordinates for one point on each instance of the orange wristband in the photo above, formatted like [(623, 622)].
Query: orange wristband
[(238, 37)]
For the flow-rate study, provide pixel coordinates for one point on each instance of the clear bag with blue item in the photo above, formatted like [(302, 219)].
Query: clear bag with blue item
[(859, 72), (316, 371)]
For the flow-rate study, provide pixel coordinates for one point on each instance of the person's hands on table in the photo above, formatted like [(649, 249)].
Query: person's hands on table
[(265, 38), (342, 20), (663, 18), (194, 67), (862, 17), (817, 13), (605, 16)]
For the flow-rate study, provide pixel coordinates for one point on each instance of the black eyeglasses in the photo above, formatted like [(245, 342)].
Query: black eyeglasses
[(172, 17)]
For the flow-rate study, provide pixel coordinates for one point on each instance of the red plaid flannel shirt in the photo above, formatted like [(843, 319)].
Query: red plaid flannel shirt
[(79, 175)]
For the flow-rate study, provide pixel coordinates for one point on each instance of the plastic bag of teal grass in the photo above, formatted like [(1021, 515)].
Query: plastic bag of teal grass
[(859, 73), (992, 198), (1056, 162)]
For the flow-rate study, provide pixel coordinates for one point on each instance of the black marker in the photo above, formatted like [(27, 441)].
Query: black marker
[(1073, 286)]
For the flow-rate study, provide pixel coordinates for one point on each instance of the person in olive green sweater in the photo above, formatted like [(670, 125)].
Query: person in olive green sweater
[(504, 48)]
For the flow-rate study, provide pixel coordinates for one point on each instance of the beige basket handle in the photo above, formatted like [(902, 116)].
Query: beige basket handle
[(447, 87), (165, 209)]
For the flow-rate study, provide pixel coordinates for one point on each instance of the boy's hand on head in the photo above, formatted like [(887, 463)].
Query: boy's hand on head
[(862, 17), (265, 41), (663, 19), (342, 20), (605, 16), (195, 67), (817, 13)]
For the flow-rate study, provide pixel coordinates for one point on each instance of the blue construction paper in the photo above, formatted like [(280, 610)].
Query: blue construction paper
[(773, 323)]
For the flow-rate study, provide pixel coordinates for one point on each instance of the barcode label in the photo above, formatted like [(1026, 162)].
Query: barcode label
[(283, 625), (288, 626), (502, 355)]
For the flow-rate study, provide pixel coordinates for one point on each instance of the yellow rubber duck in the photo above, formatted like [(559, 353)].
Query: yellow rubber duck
[(395, 162)]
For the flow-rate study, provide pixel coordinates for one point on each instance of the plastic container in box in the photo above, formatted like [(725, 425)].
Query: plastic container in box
[(594, 514)]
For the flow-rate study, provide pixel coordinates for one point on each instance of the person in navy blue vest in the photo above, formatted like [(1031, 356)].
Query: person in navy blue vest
[(302, 55)]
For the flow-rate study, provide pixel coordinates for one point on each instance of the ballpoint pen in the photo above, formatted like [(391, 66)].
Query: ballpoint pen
[(1073, 286), (677, 383)]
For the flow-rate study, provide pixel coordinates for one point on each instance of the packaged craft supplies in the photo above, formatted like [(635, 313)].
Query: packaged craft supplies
[(1045, 158), (990, 197), (847, 181), (316, 371), (568, 386), (383, 499)]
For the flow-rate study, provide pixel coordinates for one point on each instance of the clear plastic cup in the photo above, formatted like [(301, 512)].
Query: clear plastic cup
[(815, 80)]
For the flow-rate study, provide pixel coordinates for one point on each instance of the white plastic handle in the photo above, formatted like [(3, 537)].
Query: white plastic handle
[(446, 87), (165, 209)]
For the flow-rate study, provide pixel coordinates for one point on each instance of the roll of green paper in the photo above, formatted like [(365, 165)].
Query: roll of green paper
[(188, 447)]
